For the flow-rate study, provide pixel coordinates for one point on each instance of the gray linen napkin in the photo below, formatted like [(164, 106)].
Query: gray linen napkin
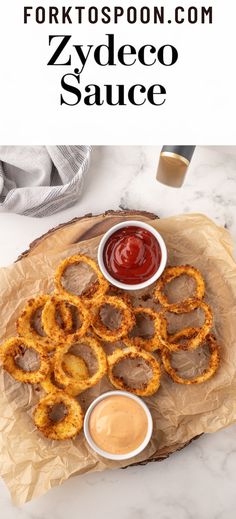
[(41, 180)]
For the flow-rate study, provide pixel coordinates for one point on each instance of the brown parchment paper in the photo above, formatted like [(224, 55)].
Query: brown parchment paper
[(29, 463)]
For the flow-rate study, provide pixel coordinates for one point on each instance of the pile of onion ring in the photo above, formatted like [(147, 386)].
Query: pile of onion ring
[(63, 375)]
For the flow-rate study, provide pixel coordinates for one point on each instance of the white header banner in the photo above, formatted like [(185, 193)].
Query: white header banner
[(117, 72)]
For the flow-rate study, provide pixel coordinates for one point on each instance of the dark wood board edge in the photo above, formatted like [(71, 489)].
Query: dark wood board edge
[(164, 456), (110, 212)]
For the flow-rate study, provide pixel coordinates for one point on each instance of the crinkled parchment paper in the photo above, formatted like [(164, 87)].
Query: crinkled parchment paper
[(30, 464)]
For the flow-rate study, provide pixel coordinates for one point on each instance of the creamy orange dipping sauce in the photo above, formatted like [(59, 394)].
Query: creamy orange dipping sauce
[(118, 424)]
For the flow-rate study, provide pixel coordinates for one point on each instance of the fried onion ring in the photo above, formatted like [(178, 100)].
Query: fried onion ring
[(171, 273), (24, 324), (186, 333), (207, 373), (48, 383), (128, 320), (72, 364), (66, 316), (15, 346), (97, 290), (75, 385), (64, 429), (194, 342), (153, 343), (131, 352), (51, 326)]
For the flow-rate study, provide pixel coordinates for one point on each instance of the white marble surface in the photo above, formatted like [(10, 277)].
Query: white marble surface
[(199, 482)]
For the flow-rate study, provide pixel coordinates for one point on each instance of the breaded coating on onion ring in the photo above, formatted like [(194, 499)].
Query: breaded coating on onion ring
[(64, 429), (171, 273), (25, 326), (131, 352), (75, 385), (97, 290), (207, 373), (127, 323), (52, 327), (73, 365), (16, 346), (195, 341), (153, 343)]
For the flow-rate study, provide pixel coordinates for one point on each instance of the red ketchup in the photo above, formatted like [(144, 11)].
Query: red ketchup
[(132, 255)]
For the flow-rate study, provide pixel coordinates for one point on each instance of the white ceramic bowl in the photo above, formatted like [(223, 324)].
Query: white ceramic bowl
[(160, 241), (108, 455)]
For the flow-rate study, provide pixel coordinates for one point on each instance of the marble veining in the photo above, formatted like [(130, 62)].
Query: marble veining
[(198, 482)]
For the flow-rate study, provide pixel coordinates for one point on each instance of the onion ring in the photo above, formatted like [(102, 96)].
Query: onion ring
[(74, 385), (24, 323), (51, 326), (127, 323), (97, 290), (153, 343), (72, 364), (66, 317), (15, 346), (172, 273), (48, 383), (194, 342), (208, 373), (131, 352), (66, 428), (186, 333)]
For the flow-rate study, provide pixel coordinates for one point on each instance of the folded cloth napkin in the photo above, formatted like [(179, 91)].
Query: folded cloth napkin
[(41, 180)]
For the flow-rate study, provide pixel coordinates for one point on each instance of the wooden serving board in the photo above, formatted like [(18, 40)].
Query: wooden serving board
[(84, 228)]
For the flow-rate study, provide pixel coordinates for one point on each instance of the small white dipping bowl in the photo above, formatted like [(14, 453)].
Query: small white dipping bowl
[(108, 455), (133, 223)]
